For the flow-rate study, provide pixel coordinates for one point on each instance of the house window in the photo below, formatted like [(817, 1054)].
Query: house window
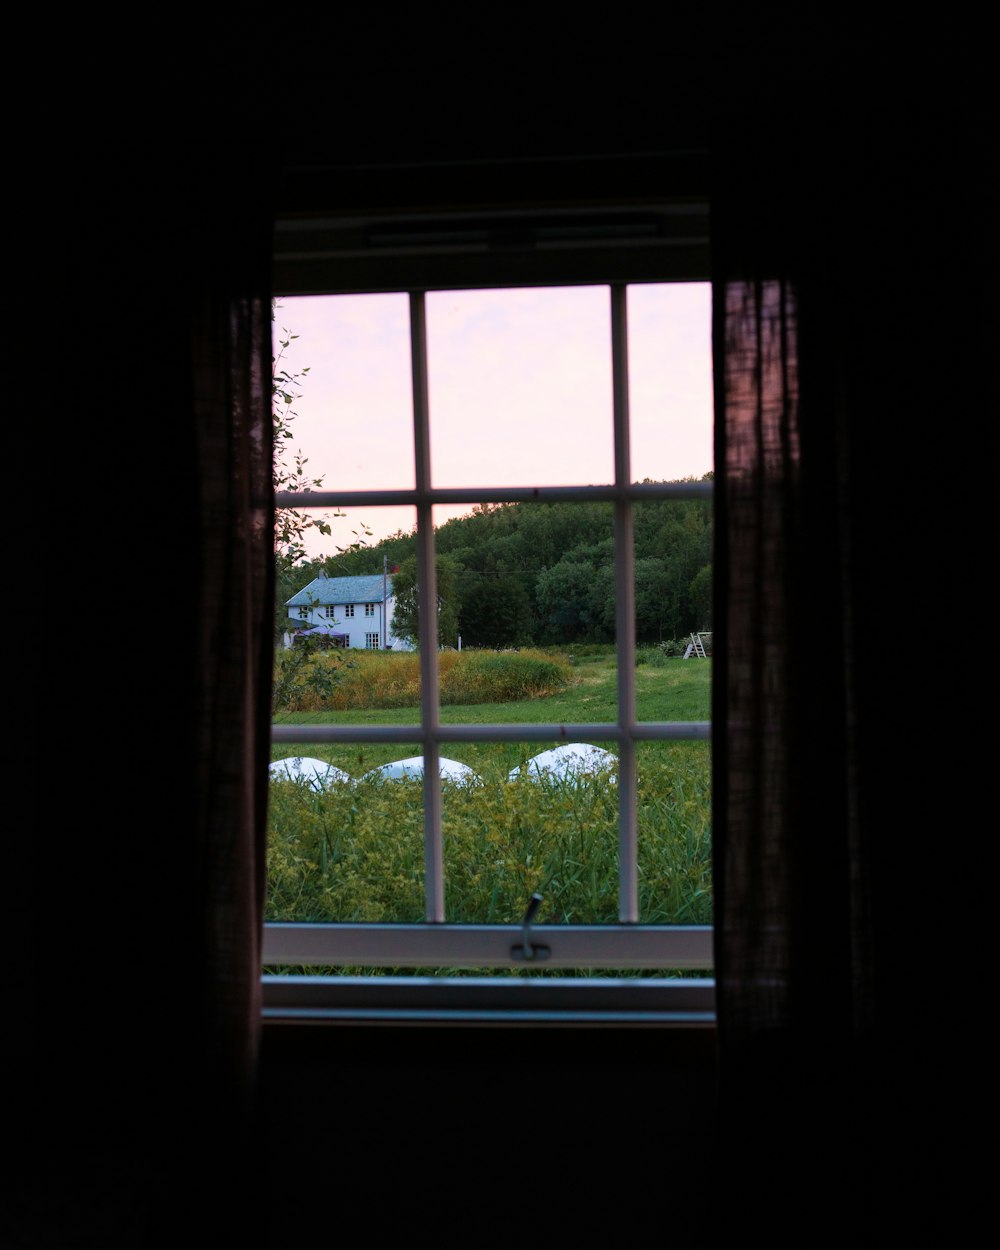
[(372, 642), (369, 609), (348, 609), (330, 611), (629, 940)]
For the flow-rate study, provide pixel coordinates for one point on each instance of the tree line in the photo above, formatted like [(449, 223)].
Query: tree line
[(524, 574)]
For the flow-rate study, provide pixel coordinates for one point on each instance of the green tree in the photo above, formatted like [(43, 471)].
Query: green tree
[(406, 614), (701, 597), (289, 465), (651, 598), (495, 611), (572, 597)]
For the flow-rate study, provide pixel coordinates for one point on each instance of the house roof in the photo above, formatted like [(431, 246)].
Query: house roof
[(323, 590)]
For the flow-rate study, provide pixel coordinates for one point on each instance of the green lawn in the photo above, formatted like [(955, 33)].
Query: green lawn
[(674, 689)]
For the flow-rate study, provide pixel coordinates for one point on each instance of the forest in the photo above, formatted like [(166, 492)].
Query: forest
[(523, 574)]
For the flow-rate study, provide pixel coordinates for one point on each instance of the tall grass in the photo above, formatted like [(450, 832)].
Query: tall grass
[(361, 680), (355, 852)]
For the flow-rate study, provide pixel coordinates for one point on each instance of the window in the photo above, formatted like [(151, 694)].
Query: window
[(631, 943), (369, 609), (330, 611), (348, 609)]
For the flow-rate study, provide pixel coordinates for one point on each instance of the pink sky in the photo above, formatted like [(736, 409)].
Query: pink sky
[(519, 390)]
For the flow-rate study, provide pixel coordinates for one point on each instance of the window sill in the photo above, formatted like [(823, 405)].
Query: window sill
[(585, 1001)]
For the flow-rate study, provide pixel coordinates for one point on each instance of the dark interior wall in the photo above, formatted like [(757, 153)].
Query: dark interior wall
[(117, 1131), (494, 1134)]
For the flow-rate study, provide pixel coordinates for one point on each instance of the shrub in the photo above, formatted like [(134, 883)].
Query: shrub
[(501, 676), (673, 646), (306, 676)]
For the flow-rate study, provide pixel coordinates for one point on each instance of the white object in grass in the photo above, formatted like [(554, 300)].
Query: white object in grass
[(316, 773), (450, 770), (572, 761)]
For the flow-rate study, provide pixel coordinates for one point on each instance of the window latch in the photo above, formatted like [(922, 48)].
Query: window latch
[(528, 951)]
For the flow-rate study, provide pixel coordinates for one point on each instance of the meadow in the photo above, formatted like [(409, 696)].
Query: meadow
[(354, 852)]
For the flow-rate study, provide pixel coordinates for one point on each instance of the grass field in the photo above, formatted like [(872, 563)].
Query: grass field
[(355, 852), (670, 689)]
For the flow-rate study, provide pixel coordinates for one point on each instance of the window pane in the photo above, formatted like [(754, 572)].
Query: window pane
[(344, 591), (543, 818), (674, 832), (670, 380), (348, 373), (345, 836), (520, 387), (672, 541)]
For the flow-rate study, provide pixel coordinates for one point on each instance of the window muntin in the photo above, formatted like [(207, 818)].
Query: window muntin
[(457, 944), (348, 609)]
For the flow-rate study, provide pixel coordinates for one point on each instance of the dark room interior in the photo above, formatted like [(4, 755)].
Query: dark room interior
[(845, 166)]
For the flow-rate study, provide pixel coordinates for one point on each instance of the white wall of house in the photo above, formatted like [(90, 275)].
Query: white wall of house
[(357, 626)]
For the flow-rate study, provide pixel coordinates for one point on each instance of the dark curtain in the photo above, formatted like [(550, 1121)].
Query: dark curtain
[(231, 346), (794, 957), (231, 412), (791, 882), (140, 1066), (851, 360)]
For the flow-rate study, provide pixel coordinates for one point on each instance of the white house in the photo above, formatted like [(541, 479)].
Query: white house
[(359, 609)]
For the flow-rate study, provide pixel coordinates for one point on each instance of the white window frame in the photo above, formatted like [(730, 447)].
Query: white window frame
[(659, 999), (369, 609), (330, 611), (348, 609), (372, 642)]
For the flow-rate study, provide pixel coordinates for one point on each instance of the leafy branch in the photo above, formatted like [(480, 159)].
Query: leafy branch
[(289, 466)]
